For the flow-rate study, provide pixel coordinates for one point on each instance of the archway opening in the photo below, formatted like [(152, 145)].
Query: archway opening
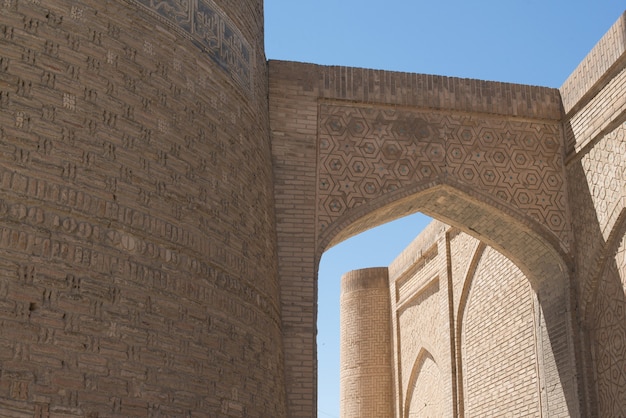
[(539, 261), (376, 247)]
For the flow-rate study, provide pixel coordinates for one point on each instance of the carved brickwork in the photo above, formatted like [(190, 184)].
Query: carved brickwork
[(606, 174), (598, 181), (365, 153), (213, 31), (610, 336), (593, 98)]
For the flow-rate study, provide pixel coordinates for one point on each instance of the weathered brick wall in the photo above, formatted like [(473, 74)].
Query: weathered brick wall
[(595, 124), (137, 264)]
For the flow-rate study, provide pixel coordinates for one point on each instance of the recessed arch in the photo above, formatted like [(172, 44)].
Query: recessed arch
[(425, 368), (489, 307)]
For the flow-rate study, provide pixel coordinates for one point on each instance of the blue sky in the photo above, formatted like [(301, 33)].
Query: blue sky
[(536, 42)]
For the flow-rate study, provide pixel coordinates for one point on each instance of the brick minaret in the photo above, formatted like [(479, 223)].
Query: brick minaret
[(366, 373)]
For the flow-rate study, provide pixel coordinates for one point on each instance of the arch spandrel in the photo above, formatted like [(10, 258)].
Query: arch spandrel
[(367, 153)]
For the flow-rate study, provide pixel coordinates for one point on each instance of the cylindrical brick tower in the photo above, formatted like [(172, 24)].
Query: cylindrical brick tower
[(366, 373), (137, 244)]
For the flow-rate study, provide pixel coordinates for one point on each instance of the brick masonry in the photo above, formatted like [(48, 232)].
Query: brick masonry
[(366, 378), (354, 148), (494, 359), (166, 195), (135, 202)]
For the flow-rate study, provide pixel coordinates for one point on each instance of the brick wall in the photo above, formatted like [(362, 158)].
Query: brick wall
[(354, 148), (499, 358), (513, 342), (595, 125), (159, 256), (466, 330), (137, 278), (469, 344)]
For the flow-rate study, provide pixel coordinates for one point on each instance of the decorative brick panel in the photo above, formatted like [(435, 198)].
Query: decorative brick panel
[(366, 153)]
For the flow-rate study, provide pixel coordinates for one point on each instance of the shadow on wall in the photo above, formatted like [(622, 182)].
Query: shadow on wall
[(606, 325), (600, 287)]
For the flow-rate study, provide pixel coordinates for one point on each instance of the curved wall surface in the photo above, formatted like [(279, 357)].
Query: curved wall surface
[(137, 278), (366, 388)]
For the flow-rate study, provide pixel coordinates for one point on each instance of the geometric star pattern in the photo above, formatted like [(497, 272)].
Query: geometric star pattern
[(602, 180), (367, 152), (610, 337)]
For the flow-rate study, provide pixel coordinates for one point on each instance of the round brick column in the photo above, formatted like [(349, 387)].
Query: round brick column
[(366, 373), (138, 271)]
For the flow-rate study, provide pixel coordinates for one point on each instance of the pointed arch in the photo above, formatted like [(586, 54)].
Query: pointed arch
[(496, 326), (424, 364), (364, 159), (521, 239)]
